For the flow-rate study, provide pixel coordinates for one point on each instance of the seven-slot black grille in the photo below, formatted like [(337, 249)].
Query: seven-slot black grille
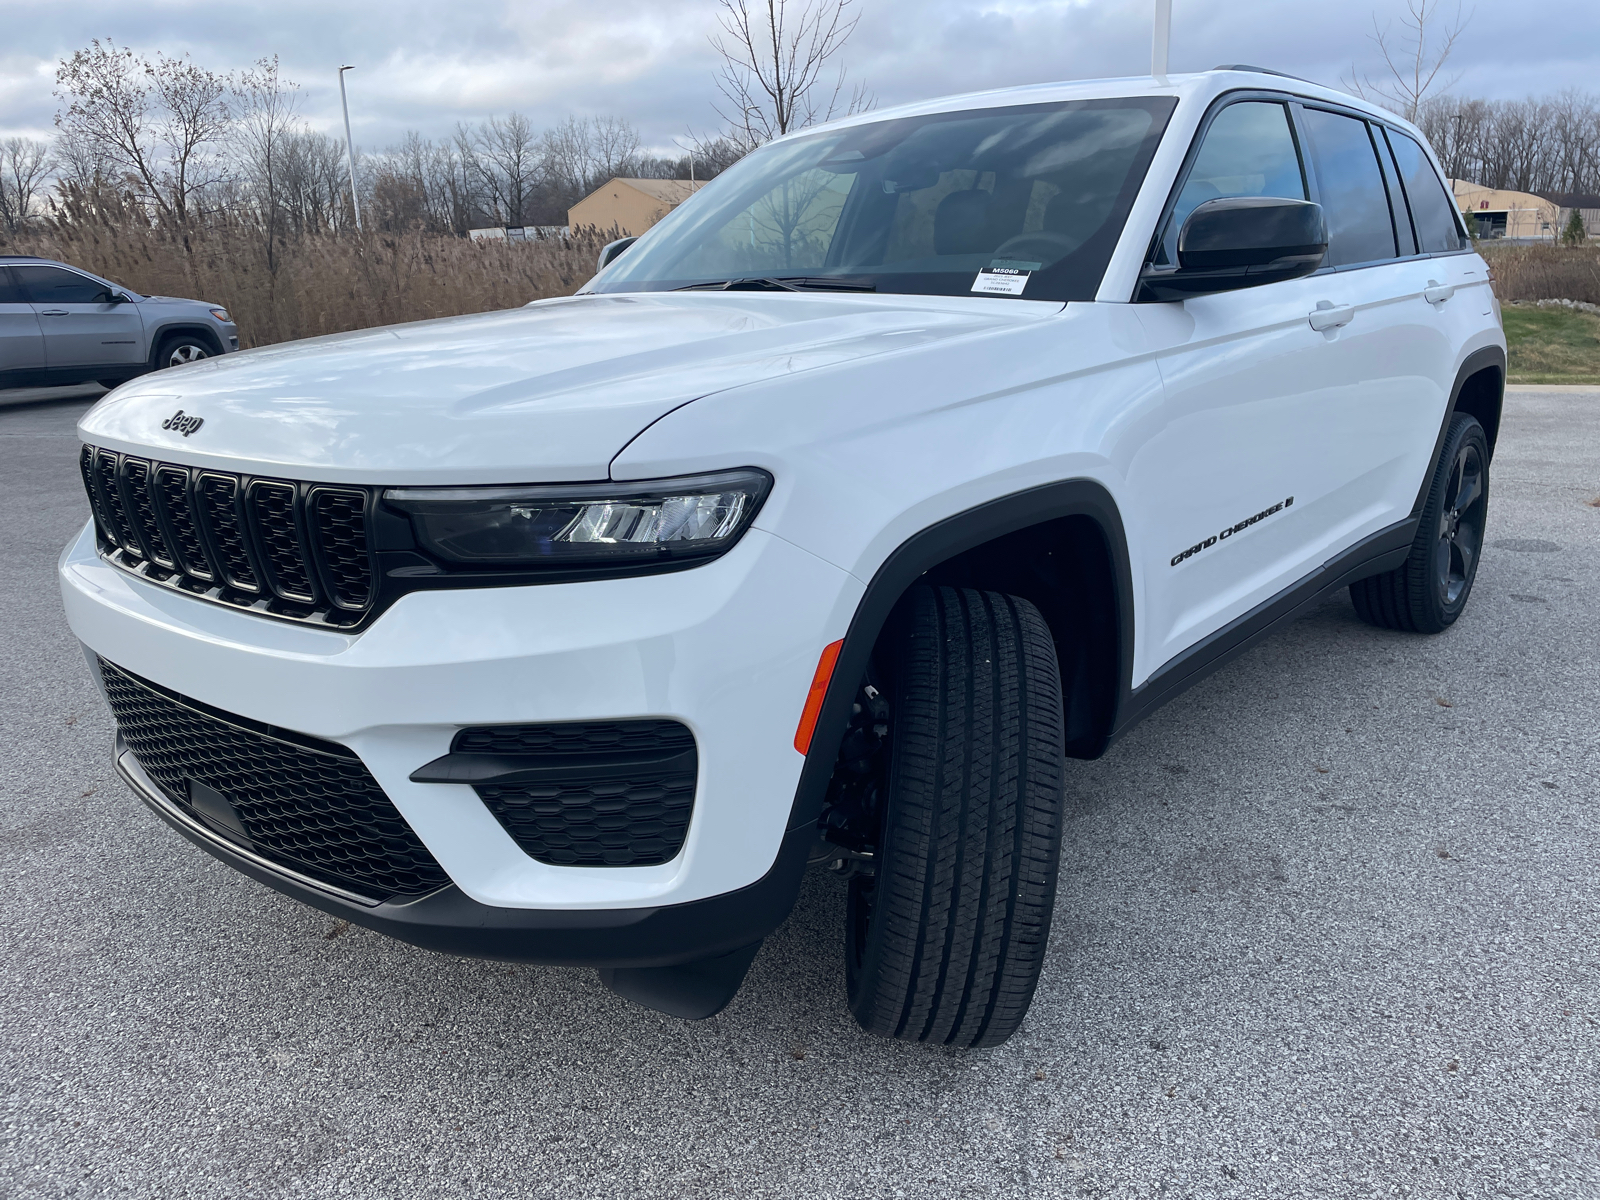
[(293, 550), (589, 793), (307, 805)]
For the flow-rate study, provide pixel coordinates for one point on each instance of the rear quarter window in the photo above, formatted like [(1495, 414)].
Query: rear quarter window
[(1432, 209)]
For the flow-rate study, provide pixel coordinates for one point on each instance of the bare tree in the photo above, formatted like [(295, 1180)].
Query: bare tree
[(264, 122), (582, 153), (1548, 146), (613, 149), (1575, 141), (80, 164), (193, 118), (25, 164), (507, 159), (313, 188), (155, 120), (1414, 58), (774, 56)]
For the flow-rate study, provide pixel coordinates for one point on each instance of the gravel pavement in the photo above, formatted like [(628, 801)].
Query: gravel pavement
[(1328, 926)]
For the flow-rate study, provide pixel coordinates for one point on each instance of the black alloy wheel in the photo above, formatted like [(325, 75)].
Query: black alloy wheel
[(1460, 526), (1427, 592)]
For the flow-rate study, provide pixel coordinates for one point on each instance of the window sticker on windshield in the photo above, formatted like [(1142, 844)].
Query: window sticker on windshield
[(1004, 277)]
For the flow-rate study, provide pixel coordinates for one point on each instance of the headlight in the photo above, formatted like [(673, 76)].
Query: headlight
[(585, 525), (221, 314)]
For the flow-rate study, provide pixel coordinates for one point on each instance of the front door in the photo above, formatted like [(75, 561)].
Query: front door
[(21, 343), (83, 326)]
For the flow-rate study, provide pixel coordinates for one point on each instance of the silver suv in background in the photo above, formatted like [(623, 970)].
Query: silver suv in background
[(60, 325)]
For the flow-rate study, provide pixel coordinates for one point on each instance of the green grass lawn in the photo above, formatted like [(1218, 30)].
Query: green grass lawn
[(1552, 345)]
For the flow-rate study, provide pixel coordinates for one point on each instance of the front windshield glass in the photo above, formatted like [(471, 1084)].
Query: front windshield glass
[(1026, 202)]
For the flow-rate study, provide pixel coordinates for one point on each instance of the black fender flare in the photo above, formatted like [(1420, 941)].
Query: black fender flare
[(1474, 364), (915, 557)]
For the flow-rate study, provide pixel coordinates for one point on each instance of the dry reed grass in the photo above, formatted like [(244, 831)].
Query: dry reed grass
[(317, 283), (1545, 272), (320, 283)]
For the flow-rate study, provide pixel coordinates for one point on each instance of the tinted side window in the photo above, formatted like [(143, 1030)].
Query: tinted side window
[(1248, 151), (1403, 233), (1351, 189), (52, 285), (10, 293), (1432, 210)]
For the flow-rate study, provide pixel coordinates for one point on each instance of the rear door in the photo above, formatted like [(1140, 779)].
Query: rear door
[(1394, 352), (21, 343), (1452, 281), (83, 327)]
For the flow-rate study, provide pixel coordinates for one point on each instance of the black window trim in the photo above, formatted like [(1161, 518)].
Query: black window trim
[(1294, 104), (1399, 202)]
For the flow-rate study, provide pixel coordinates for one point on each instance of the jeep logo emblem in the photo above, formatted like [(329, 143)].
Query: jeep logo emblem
[(184, 425)]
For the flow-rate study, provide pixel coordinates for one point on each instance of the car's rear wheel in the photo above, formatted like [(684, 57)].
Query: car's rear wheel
[(1427, 592), (947, 936), (181, 349)]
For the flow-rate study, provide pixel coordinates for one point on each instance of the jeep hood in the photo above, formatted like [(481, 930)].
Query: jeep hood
[(550, 392)]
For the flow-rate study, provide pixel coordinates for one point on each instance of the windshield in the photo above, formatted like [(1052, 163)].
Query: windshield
[(1026, 201)]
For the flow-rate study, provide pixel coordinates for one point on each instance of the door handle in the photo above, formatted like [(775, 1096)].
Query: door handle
[(1438, 293), (1328, 315), (52, 312)]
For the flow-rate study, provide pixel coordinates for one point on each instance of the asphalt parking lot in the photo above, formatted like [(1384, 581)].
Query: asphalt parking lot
[(1328, 926)]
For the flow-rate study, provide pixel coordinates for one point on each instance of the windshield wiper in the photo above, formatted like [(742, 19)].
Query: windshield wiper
[(789, 283)]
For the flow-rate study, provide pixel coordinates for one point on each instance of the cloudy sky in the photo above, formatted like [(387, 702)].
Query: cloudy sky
[(426, 64)]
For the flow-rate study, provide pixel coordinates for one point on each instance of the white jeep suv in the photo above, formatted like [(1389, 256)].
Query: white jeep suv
[(913, 456)]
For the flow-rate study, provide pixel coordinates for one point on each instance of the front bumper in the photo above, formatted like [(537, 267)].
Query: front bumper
[(727, 648), (451, 922)]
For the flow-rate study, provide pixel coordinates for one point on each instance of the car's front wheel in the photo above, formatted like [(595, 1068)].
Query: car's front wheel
[(947, 935), (1427, 592), (181, 349)]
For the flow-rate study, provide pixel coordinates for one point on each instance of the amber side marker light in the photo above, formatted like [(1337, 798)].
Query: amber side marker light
[(819, 689)]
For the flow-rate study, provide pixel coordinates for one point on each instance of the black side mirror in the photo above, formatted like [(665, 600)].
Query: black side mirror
[(612, 250), (1238, 242)]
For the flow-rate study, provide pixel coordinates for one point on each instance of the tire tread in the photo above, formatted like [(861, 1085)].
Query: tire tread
[(973, 838)]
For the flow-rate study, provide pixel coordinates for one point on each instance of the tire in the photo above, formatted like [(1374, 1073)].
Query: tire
[(1427, 592), (180, 349), (946, 940), (108, 384)]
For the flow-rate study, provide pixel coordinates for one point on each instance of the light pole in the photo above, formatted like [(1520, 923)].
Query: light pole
[(690, 153), (1160, 37), (350, 148)]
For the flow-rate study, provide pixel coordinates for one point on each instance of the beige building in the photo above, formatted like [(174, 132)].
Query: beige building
[(1492, 213), (627, 207)]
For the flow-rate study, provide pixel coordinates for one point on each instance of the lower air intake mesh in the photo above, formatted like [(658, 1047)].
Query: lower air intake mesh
[(308, 805), (591, 793)]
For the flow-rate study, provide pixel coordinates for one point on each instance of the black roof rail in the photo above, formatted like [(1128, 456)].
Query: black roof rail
[(1263, 71)]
